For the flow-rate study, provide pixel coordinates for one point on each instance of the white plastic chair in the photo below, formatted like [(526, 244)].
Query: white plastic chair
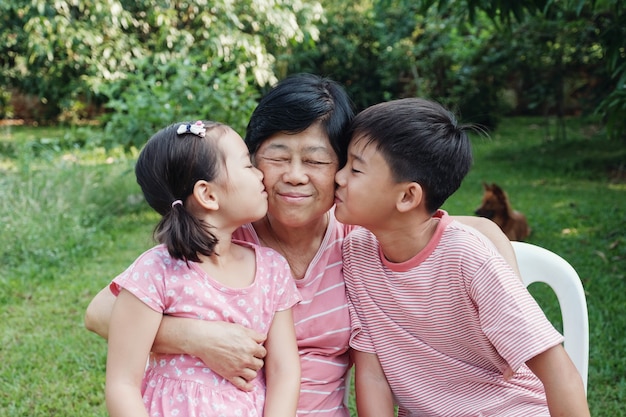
[(538, 264)]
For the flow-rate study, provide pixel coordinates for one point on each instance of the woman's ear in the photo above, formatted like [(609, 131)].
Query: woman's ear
[(410, 198), (205, 195)]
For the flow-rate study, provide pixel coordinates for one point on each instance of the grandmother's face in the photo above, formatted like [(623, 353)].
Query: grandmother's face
[(299, 175)]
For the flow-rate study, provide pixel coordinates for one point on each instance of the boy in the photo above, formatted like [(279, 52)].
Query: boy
[(441, 325)]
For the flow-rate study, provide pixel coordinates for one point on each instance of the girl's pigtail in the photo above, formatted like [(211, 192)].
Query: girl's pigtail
[(169, 165), (184, 235)]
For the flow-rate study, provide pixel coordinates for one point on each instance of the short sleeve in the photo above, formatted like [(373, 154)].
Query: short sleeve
[(359, 338), (509, 315), (286, 294), (145, 279)]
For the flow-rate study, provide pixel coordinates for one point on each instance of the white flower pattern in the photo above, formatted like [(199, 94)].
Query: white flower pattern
[(172, 287)]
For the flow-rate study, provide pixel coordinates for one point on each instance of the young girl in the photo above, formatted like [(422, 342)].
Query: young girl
[(200, 179)]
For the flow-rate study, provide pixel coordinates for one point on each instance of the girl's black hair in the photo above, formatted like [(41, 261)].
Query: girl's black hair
[(296, 103), (168, 167)]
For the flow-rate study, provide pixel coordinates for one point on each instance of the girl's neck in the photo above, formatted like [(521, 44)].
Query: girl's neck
[(231, 264)]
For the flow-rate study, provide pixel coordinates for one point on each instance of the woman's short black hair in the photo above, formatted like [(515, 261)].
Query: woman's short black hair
[(296, 103)]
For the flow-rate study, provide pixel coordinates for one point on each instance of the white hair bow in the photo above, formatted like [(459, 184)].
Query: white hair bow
[(197, 129)]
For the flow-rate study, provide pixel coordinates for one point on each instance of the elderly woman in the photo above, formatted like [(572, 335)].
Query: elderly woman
[(298, 138)]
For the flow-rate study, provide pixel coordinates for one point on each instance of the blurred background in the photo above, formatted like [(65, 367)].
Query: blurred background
[(84, 84), (132, 66)]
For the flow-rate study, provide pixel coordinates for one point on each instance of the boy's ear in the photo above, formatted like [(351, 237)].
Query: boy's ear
[(411, 197), (205, 195)]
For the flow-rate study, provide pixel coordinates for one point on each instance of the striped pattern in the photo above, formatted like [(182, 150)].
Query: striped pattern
[(322, 326), (448, 324)]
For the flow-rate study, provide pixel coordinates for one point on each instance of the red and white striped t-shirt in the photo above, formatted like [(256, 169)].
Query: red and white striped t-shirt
[(447, 324), (322, 324)]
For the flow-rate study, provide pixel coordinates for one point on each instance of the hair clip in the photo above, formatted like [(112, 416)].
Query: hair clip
[(197, 129)]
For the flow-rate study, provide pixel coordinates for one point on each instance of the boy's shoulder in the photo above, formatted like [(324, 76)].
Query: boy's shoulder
[(361, 237), (460, 234)]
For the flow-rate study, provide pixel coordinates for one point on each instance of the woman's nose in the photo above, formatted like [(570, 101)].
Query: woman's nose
[(296, 173)]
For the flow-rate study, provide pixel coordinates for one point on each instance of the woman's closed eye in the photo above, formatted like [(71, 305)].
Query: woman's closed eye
[(276, 159), (316, 162)]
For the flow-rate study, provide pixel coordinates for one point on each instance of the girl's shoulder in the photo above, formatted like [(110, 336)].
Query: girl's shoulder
[(261, 252)]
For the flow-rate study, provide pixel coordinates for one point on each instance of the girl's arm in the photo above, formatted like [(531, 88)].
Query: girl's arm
[(373, 394), (233, 351), (282, 367), (564, 386), (133, 328)]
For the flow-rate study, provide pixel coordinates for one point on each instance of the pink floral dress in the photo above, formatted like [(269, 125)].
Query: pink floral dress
[(181, 385)]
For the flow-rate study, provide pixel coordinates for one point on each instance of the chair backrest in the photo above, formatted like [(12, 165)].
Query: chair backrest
[(538, 264)]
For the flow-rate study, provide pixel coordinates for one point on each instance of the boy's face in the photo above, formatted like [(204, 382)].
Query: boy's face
[(366, 190)]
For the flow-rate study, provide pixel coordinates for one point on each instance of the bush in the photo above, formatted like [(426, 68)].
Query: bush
[(158, 95)]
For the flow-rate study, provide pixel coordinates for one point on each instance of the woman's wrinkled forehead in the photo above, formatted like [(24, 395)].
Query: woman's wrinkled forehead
[(312, 140)]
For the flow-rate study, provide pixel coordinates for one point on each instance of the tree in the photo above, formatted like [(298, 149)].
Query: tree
[(608, 17), (68, 51)]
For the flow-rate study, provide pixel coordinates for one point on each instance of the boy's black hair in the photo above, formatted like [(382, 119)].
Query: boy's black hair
[(296, 103), (421, 142), (168, 167)]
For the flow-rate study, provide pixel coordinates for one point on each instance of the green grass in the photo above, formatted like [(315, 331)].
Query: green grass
[(71, 219)]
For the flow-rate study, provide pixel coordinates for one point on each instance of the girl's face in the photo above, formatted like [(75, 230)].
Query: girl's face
[(299, 171), (245, 198)]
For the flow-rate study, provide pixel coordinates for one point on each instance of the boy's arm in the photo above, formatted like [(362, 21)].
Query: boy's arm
[(562, 382), (373, 394), (233, 351), (282, 367), (493, 232)]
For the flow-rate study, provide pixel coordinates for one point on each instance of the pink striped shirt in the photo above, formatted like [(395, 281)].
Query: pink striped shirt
[(322, 325), (447, 324)]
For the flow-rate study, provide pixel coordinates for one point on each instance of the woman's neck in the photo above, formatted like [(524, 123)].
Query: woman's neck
[(298, 245)]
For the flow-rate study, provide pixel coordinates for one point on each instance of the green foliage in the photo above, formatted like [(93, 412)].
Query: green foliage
[(70, 51), (612, 21), (160, 94), (59, 50), (597, 28), (384, 51)]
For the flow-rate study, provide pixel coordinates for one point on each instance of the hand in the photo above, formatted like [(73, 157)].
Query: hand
[(231, 350)]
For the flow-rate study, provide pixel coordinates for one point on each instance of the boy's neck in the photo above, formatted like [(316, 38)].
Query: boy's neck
[(406, 238)]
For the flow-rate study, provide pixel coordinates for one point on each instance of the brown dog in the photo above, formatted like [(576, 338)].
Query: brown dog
[(496, 207)]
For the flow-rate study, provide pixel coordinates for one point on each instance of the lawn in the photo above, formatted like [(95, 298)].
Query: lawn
[(71, 218)]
